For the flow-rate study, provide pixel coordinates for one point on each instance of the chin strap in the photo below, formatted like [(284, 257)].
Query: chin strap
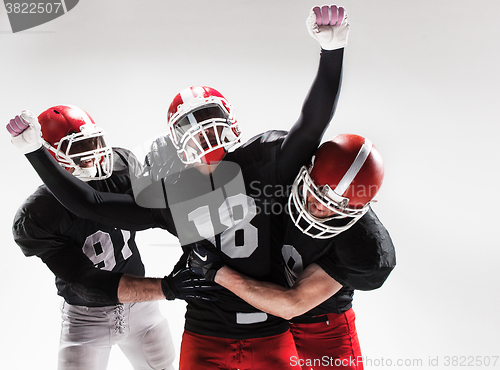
[(85, 174)]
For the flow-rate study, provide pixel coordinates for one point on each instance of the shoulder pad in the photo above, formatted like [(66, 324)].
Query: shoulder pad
[(267, 137), (124, 159)]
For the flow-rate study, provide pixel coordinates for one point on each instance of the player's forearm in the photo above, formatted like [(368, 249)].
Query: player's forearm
[(317, 112), (268, 297), (321, 102), (113, 209), (139, 289), (66, 188)]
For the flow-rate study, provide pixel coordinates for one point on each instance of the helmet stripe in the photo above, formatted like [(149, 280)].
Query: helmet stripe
[(186, 94), (351, 173)]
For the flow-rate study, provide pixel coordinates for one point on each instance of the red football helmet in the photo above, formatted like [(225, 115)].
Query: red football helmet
[(335, 191), (202, 125), (76, 142)]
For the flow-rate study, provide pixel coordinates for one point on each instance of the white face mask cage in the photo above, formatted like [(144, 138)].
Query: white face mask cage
[(321, 228), (192, 131), (93, 150)]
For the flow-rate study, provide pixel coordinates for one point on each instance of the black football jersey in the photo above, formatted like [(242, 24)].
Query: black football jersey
[(362, 257), (44, 228), (231, 209)]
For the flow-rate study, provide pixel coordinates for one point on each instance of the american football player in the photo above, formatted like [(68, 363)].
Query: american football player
[(214, 197), (90, 260), (334, 244)]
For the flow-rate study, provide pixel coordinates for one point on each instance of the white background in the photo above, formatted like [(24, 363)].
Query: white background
[(421, 81)]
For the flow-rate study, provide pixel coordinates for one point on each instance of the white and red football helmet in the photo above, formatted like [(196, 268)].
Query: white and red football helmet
[(76, 142), (335, 190), (202, 125)]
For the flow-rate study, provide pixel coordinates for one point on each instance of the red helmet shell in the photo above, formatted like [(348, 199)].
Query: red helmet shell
[(334, 158), (61, 120), (190, 93)]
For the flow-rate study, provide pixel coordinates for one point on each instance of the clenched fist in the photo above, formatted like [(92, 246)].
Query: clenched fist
[(25, 131), (329, 26)]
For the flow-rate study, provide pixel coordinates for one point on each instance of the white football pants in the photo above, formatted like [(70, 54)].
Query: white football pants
[(139, 329)]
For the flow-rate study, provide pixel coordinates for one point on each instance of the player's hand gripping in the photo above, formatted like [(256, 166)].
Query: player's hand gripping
[(182, 283), (25, 131), (204, 262), (163, 161), (329, 26)]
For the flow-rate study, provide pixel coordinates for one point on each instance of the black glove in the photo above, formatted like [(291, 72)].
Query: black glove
[(163, 161), (182, 283), (204, 261)]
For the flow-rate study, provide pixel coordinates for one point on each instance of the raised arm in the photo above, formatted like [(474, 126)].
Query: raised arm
[(118, 210), (321, 101)]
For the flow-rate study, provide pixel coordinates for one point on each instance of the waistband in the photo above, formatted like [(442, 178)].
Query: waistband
[(304, 319), (309, 319)]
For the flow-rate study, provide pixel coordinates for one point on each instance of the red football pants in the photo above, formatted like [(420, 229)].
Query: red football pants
[(199, 352), (332, 344)]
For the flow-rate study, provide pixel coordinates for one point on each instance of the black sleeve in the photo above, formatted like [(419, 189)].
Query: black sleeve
[(94, 285), (66, 260), (317, 111), (361, 257), (117, 210)]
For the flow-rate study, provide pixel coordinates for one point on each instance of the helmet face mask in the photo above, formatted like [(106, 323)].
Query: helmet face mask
[(203, 131), (335, 191), (303, 203), (76, 142), (85, 156), (202, 125)]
